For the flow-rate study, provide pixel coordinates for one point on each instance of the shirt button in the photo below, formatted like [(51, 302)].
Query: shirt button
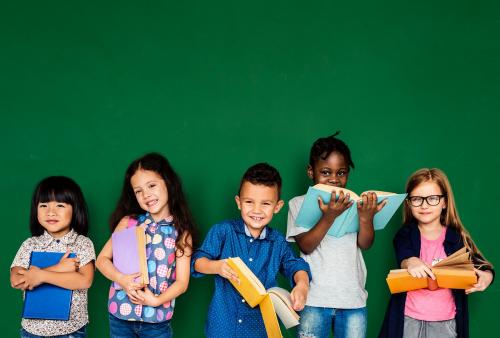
[(58, 240), (251, 240), (250, 259), (239, 321), (243, 300)]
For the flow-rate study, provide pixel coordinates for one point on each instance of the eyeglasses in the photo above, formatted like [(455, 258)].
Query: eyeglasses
[(417, 201)]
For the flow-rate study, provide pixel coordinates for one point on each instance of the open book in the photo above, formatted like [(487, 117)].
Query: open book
[(47, 301), (129, 253), (348, 221), (454, 272), (271, 302)]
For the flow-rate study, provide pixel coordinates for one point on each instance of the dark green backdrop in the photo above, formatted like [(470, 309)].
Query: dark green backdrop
[(86, 87)]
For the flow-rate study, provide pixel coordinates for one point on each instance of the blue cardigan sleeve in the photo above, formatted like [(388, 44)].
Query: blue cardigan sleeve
[(403, 245)]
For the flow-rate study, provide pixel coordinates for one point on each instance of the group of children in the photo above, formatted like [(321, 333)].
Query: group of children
[(328, 280)]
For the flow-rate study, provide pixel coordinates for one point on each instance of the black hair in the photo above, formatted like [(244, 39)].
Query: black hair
[(262, 173), (324, 146), (128, 206), (64, 190)]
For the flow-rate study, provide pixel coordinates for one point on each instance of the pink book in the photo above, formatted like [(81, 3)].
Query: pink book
[(129, 253)]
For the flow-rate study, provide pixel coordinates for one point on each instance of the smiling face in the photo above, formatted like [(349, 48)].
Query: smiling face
[(333, 170), (427, 214), (151, 193), (55, 217), (258, 204)]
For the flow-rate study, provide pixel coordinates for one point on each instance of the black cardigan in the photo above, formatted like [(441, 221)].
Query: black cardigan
[(406, 245)]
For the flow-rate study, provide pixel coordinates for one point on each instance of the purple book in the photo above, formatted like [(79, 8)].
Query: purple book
[(129, 253)]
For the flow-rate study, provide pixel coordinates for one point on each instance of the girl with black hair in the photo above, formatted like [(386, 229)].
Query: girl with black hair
[(58, 223), (152, 198)]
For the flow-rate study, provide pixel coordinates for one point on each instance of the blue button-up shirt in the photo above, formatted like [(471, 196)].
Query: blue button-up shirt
[(228, 314)]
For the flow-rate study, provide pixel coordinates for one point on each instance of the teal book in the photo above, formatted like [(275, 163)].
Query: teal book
[(47, 301), (348, 221)]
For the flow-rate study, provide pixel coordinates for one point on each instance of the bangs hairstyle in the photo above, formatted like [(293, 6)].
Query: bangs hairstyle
[(64, 190), (449, 216), (262, 173), (324, 146), (128, 206)]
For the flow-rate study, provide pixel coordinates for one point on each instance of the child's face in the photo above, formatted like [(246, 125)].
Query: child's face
[(151, 193), (427, 214), (55, 217), (258, 204), (332, 171)]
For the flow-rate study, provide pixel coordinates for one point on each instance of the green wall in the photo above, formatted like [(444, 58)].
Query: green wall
[(86, 87)]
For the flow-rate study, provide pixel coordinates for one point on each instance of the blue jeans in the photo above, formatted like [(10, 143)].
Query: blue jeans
[(80, 333), (119, 328), (316, 322)]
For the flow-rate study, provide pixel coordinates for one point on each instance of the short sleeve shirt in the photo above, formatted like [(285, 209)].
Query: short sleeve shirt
[(337, 266), (84, 250)]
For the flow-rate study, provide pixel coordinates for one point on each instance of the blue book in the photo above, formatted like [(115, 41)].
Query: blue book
[(348, 221), (47, 301)]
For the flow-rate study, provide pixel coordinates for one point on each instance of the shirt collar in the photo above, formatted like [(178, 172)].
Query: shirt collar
[(46, 239), (262, 233), (267, 233), (148, 220)]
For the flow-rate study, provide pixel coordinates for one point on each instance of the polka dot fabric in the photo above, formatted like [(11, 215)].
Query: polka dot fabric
[(160, 251)]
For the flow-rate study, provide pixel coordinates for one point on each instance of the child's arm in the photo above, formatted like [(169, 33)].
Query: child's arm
[(483, 281), (215, 267), (182, 272), (105, 265), (309, 240), (299, 292), (367, 208), (16, 279), (81, 279)]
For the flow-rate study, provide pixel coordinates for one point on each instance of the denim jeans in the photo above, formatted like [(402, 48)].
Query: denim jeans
[(316, 322), (119, 328), (80, 333)]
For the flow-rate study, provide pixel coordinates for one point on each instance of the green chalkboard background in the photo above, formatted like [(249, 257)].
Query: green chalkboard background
[(88, 86)]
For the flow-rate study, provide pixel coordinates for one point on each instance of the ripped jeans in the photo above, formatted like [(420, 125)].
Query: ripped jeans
[(316, 322)]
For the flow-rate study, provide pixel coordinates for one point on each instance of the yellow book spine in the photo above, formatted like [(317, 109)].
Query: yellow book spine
[(270, 319)]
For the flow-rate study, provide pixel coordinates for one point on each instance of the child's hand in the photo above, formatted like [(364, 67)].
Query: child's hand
[(225, 271), (67, 264), (368, 207), (17, 280), (299, 296), (483, 281), (31, 278), (128, 284), (148, 298), (417, 268), (336, 206)]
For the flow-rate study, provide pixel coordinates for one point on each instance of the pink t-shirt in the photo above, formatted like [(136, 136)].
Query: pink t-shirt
[(425, 304)]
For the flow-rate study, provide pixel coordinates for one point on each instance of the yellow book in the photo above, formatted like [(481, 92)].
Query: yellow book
[(272, 302)]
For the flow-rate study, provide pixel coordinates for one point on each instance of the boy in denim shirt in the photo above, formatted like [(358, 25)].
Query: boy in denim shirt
[(262, 248)]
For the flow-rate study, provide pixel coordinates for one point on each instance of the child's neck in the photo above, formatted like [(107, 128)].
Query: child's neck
[(431, 231)]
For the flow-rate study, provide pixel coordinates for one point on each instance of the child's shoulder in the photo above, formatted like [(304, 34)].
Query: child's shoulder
[(227, 225), (297, 200)]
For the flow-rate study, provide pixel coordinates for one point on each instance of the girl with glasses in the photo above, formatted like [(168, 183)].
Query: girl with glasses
[(432, 230)]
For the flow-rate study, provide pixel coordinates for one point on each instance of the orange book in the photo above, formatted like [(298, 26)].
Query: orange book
[(454, 272)]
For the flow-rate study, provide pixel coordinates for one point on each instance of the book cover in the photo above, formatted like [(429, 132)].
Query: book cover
[(454, 272), (348, 221), (47, 301), (273, 303), (129, 253)]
